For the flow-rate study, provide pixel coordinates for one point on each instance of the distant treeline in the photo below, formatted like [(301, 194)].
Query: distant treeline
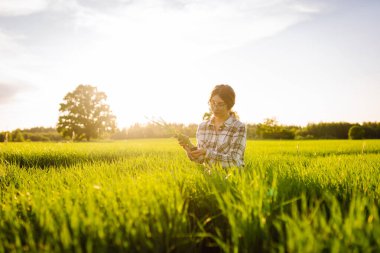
[(269, 129), (333, 130), (32, 134)]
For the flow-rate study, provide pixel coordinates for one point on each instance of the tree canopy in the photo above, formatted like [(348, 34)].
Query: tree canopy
[(84, 114), (356, 132)]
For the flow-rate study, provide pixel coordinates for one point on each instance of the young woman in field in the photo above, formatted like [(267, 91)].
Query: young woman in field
[(221, 140)]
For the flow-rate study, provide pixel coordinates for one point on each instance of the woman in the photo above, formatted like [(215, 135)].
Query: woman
[(221, 140)]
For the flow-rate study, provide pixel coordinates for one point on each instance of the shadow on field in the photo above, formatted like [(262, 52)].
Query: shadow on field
[(223, 223), (46, 160), (205, 215)]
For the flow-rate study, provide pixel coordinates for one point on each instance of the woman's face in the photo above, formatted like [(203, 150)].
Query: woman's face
[(218, 106)]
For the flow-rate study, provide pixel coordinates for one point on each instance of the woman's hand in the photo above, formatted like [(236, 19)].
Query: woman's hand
[(182, 143), (185, 142), (197, 153), (185, 146), (192, 152)]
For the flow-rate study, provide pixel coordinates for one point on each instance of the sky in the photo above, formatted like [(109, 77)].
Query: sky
[(299, 61)]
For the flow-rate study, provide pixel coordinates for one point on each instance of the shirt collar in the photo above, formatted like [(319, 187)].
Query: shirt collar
[(226, 123)]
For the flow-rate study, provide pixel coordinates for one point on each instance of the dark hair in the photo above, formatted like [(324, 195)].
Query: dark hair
[(226, 93)]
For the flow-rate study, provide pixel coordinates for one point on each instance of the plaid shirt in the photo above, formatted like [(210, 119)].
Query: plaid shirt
[(224, 147)]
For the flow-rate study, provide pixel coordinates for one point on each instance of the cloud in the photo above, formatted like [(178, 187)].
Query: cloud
[(21, 7), (9, 44), (87, 35), (203, 26), (105, 5), (10, 90), (196, 27), (139, 34)]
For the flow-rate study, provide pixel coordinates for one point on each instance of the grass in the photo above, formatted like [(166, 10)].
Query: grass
[(146, 196)]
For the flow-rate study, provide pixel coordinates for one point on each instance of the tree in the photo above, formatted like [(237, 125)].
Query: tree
[(17, 136), (356, 133), (84, 114)]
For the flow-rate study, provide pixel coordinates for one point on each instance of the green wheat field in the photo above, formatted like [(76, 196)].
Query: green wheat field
[(146, 196)]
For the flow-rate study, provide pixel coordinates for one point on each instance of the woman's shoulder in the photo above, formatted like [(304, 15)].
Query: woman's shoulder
[(237, 123), (204, 124)]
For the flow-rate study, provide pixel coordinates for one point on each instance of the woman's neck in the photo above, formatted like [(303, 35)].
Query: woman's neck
[(221, 119)]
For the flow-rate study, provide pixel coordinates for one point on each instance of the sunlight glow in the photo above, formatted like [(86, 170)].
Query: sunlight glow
[(162, 58)]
